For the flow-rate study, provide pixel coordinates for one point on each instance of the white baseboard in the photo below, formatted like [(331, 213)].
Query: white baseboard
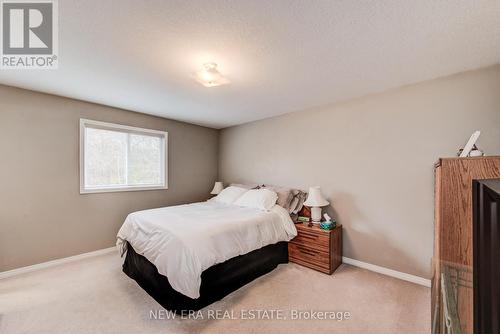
[(44, 265), (389, 272), (352, 262)]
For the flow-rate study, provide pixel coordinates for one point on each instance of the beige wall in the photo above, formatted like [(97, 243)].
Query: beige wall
[(42, 214), (373, 158)]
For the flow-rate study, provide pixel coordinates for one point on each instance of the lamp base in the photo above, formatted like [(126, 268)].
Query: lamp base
[(316, 214)]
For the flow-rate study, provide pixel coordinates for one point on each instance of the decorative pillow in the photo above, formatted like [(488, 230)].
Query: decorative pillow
[(229, 195), (302, 196), (285, 195), (263, 199), (293, 204), (297, 201)]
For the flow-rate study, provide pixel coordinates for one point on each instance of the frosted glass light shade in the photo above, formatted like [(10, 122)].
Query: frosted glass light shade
[(315, 198), (209, 76), (218, 186)]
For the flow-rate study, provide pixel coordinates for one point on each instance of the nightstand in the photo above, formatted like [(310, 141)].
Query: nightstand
[(316, 248)]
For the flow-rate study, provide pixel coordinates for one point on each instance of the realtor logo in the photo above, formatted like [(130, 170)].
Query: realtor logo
[(29, 34)]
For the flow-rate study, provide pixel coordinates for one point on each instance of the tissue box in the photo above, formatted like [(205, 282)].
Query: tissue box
[(328, 224)]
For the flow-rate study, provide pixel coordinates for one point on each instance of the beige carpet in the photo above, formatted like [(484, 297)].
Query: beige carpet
[(94, 296)]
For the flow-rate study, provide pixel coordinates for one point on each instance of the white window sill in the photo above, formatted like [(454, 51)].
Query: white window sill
[(120, 189)]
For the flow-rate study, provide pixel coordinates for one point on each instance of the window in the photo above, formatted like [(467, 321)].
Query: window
[(121, 158)]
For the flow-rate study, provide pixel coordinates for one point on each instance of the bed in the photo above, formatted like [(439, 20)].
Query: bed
[(189, 256)]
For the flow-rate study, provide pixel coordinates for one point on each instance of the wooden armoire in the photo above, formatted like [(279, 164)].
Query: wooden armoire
[(452, 283)]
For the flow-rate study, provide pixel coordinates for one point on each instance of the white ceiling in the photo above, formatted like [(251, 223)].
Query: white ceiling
[(281, 56)]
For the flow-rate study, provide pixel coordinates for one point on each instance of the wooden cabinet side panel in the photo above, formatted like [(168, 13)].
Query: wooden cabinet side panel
[(436, 270), (455, 222)]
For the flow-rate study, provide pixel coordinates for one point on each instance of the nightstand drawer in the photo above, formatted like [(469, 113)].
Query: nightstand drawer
[(310, 255), (319, 241)]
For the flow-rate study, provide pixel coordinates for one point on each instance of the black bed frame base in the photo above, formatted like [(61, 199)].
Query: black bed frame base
[(216, 282)]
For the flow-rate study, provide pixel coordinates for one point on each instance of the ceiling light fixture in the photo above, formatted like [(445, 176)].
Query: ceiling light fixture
[(209, 76)]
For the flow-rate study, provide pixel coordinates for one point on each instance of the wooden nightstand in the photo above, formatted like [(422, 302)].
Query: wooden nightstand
[(316, 248)]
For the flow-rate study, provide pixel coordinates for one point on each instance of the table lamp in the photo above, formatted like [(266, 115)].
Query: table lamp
[(315, 200)]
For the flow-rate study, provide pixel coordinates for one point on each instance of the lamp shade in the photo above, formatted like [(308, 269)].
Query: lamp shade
[(217, 188), (315, 198)]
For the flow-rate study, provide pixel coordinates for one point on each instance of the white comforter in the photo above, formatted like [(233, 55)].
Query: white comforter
[(182, 241)]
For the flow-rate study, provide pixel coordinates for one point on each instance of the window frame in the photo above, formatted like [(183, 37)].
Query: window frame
[(87, 123)]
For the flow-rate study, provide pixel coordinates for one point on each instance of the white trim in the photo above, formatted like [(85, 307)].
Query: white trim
[(117, 127), (389, 272), (163, 135), (53, 263), (118, 189), (346, 260)]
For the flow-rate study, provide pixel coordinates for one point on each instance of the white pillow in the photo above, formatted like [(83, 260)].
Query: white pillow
[(262, 199), (229, 195)]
